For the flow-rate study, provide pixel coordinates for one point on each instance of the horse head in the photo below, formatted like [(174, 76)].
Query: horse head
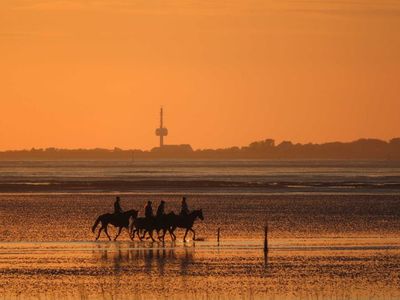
[(199, 214), (132, 213)]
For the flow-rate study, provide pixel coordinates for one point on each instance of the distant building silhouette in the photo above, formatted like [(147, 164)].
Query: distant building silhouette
[(173, 151), (162, 131)]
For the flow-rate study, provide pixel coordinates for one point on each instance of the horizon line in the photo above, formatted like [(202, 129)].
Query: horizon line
[(210, 148)]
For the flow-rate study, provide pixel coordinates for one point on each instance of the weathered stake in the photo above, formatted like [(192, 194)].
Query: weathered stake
[(266, 238), (218, 231)]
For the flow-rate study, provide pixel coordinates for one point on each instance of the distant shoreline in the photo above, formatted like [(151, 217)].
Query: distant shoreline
[(362, 149)]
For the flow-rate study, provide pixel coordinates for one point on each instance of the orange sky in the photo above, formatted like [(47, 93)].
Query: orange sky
[(88, 73)]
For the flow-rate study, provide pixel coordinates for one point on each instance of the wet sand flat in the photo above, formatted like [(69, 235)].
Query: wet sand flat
[(321, 247), (133, 270), (69, 217)]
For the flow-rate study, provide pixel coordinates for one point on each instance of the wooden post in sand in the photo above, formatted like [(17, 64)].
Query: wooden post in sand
[(218, 231), (266, 238)]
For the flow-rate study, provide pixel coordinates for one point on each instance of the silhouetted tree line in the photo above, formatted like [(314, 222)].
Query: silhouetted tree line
[(266, 149)]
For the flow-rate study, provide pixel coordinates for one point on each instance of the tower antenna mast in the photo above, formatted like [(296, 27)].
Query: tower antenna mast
[(161, 131)]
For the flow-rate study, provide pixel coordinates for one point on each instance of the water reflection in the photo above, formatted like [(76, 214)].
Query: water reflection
[(266, 260), (149, 258)]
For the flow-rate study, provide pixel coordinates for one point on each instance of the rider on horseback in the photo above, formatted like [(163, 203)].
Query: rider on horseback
[(184, 207), (148, 210), (117, 206), (160, 209)]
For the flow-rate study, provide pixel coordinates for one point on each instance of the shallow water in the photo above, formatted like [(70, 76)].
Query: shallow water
[(321, 247), (123, 270), (239, 176)]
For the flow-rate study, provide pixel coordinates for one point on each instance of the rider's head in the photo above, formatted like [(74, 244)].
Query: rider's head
[(183, 199), (149, 202), (117, 198), (162, 202)]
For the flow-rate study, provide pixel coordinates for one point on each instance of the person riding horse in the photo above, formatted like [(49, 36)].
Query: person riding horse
[(184, 208), (160, 217), (119, 219), (148, 211), (161, 209), (117, 206)]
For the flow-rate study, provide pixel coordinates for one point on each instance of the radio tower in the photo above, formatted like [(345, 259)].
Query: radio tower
[(162, 131)]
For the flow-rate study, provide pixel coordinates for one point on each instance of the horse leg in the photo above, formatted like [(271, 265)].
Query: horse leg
[(119, 232), (151, 235), (131, 231), (172, 234), (164, 231), (133, 234), (141, 237), (194, 234), (158, 234), (105, 230), (144, 231), (186, 232), (98, 235)]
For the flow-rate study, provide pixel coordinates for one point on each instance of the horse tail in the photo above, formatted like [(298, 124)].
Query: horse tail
[(96, 223)]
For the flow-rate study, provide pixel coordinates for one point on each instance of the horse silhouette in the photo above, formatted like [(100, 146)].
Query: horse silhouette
[(119, 220), (148, 225), (186, 222), (165, 223)]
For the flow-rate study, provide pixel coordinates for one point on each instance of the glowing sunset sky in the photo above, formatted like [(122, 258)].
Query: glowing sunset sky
[(82, 73)]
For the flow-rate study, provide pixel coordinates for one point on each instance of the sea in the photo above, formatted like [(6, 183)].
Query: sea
[(235, 177)]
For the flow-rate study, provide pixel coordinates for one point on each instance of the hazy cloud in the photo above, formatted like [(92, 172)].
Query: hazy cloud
[(346, 8), (337, 7)]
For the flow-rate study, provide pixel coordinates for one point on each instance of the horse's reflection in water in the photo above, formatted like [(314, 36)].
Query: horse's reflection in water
[(149, 258)]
